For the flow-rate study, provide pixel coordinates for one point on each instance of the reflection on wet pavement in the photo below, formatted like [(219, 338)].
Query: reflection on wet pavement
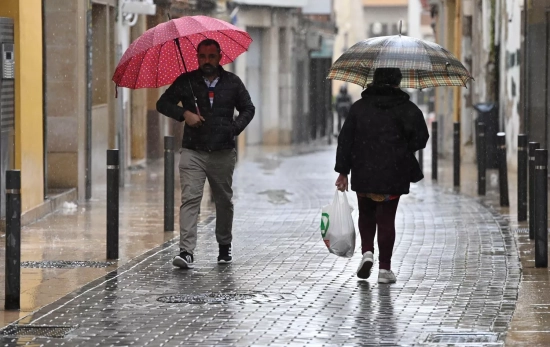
[(457, 271), (77, 232), (277, 196)]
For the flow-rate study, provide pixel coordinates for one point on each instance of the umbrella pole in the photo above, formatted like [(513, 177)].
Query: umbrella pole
[(185, 67)]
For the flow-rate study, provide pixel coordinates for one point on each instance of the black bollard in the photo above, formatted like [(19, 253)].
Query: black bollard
[(168, 183), (502, 170), (456, 154), (434, 151), (541, 208), (522, 177), (13, 240), (421, 159), (481, 159), (112, 203), (533, 146)]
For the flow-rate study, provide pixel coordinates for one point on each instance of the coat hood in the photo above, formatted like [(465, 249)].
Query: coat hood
[(385, 97)]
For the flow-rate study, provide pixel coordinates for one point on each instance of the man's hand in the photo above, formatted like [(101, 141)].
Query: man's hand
[(192, 119), (342, 183)]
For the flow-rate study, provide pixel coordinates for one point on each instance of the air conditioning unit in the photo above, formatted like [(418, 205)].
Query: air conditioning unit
[(139, 7), (203, 5)]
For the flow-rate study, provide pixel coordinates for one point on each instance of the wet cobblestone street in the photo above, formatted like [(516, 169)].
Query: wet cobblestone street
[(456, 264)]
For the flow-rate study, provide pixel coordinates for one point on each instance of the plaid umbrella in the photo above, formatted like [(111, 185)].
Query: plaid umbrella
[(423, 64)]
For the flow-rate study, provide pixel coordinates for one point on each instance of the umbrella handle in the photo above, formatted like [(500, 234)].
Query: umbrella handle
[(197, 108)]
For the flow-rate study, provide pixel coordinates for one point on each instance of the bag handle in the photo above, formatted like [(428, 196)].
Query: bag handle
[(336, 196)]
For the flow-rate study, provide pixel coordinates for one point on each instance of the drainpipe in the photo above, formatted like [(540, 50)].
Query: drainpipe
[(458, 54), (44, 114), (124, 22), (524, 126), (89, 54)]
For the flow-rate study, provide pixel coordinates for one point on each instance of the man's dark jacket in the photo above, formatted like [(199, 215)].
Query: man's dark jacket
[(219, 128), (343, 103), (378, 141)]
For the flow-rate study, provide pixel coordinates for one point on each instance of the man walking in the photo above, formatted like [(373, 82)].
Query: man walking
[(343, 105), (208, 97)]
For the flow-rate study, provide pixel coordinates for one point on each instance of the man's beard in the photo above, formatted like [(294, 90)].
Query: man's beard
[(208, 70)]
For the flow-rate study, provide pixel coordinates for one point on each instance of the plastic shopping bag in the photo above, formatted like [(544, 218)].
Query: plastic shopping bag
[(337, 228)]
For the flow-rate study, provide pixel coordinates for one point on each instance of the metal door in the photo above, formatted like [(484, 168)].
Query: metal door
[(7, 104)]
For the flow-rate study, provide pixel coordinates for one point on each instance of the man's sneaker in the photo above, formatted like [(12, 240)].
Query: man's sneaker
[(365, 266), (184, 260), (386, 276), (224, 256)]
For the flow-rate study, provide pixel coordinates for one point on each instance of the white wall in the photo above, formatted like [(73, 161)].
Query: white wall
[(510, 35), (414, 12), (275, 126), (349, 20), (388, 15)]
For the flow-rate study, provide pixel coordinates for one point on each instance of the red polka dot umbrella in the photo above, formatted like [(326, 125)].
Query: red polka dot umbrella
[(164, 52)]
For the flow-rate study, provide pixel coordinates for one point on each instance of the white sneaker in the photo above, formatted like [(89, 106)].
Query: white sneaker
[(365, 266), (386, 276)]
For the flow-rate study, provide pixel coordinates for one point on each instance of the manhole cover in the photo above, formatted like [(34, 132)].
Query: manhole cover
[(222, 298), (524, 231), (64, 264), (462, 338), (55, 331)]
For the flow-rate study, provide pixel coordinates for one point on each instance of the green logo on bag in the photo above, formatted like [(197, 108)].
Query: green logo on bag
[(325, 221)]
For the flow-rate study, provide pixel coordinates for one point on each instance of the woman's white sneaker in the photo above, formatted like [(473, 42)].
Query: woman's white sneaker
[(386, 276), (365, 267)]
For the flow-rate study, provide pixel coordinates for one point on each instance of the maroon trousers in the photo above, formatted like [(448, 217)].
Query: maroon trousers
[(381, 214)]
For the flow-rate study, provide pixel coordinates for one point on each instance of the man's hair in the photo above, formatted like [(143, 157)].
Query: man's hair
[(387, 75), (209, 42)]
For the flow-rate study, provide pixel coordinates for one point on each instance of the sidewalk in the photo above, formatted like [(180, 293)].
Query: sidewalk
[(78, 234), (529, 326), (456, 263)]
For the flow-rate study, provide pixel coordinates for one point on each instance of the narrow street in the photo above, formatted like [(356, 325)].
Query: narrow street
[(457, 271)]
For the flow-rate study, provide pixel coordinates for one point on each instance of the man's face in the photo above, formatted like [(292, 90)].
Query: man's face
[(209, 59)]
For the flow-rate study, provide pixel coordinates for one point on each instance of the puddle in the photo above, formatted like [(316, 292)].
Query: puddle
[(269, 163), (277, 196)]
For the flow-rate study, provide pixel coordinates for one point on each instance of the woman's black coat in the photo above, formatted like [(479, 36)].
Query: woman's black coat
[(378, 141)]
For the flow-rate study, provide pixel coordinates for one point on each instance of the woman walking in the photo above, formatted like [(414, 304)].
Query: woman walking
[(377, 144)]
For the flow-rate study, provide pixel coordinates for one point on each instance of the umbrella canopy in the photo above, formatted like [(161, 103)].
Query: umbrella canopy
[(423, 64), (164, 52)]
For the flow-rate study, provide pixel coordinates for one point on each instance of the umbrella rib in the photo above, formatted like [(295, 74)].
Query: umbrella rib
[(229, 37), (187, 37), (158, 59), (139, 71), (206, 37), (178, 48)]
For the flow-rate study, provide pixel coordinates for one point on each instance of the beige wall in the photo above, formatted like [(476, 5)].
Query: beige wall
[(138, 120), (65, 93)]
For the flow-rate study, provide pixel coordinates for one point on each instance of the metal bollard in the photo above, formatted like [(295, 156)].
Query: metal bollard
[(502, 170), (522, 177), (541, 208), (456, 154), (421, 159), (481, 159), (13, 240), (168, 183), (533, 146), (434, 151), (112, 203)]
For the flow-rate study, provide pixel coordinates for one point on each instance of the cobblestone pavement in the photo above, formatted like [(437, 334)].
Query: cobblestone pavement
[(457, 276)]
